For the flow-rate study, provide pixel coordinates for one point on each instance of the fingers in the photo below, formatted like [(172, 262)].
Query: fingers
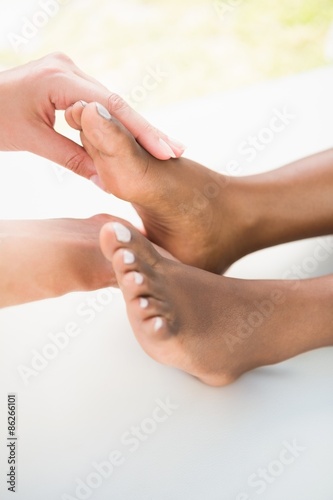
[(66, 84), (73, 115), (154, 141), (150, 138), (65, 152)]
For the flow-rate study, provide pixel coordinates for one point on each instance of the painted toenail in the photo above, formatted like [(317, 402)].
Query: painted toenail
[(103, 112), (128, 257), (123, 234), (158, 324), (138, 278), (166, 148), (143, 302)]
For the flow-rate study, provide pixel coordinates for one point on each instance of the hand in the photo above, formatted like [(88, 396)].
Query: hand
[(29, 96), (60, 256)]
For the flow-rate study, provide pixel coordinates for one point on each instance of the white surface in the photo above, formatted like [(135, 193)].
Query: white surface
[(76, 410)]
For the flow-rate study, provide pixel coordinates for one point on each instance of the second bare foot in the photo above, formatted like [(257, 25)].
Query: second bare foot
[(213, 327)]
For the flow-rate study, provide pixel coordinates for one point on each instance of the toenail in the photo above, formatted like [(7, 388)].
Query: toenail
[(123, 234), (143, 302), (158, 324), (83, 103), (103, 112), (128, 257), (138, 278)]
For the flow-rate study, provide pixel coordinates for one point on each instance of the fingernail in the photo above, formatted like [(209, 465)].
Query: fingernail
[(166, 148), (103, 112), (138, 278), (177, 144), (143, 302), (128, 257), (84, 104), (97, 181), (158, 324), (123, 234)]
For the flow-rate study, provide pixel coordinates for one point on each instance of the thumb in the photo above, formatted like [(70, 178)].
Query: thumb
[(65, 152)]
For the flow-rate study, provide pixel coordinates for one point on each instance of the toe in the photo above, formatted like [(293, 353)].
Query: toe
[(150, 326), (104, 132), (149, 307), (134, 260), (146, 311), (120, 161), (133, 283), (118, 235), (154, 328)]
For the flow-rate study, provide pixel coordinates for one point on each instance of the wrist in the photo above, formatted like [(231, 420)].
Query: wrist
[(48, 258), (35, 263)]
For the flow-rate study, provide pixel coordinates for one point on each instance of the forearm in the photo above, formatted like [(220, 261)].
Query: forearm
[(30, 264), (49, 258), (293, 202)]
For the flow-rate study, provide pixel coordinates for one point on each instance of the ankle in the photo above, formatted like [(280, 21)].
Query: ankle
[(244, 202), (258, 213)]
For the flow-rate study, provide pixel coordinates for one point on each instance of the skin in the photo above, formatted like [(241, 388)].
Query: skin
[(213, 327), (30, 95), (203, 218), (59, 256), (207, 220)]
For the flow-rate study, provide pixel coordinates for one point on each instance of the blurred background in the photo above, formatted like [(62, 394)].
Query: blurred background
[(196, 47)]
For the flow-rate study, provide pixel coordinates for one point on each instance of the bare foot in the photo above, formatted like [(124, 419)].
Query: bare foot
[(189, 210), (212, 327)]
